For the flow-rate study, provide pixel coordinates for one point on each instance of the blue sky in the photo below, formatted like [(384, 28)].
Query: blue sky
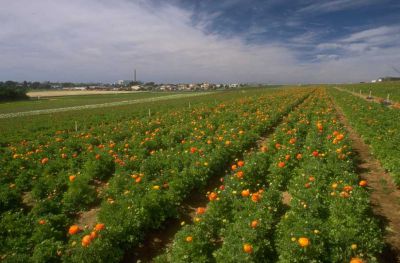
[(277, 41)]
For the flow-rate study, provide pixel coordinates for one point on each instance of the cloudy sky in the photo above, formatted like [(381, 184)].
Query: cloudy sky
[(268, 41)]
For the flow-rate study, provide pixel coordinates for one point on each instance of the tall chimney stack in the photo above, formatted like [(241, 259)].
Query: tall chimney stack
[(134, 75)]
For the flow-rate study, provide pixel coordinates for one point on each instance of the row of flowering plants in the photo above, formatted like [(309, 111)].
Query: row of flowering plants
[(329, 219), (308, 160), (378, 126), (141, 200), (238, 223), (138, 169)]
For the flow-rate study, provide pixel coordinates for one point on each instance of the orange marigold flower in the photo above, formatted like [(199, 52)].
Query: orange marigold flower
[(255, 197), (303, 242), (212, 196), (99, 226), (247, 248), (73, 229), (200, 210)]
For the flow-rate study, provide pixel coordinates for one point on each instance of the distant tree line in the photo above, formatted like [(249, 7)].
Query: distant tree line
[(390, 79), (11, 90)]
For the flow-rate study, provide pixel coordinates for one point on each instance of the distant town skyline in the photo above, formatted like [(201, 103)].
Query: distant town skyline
[(177, 41)]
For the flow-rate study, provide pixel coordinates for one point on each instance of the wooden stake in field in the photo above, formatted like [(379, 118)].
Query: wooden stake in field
[(370, 95), (76, 126), (149, 113), (387, 101)]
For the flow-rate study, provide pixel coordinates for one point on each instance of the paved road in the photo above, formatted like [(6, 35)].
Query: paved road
[(102, 105)]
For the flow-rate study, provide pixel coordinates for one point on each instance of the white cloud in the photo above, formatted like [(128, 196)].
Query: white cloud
[(98, 40), (326, 46), (365, 41), (327, 6), (372, 33), (92, 40)]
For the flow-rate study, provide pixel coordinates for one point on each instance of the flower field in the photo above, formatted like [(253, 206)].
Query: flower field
[(309, 157), (288, 188)]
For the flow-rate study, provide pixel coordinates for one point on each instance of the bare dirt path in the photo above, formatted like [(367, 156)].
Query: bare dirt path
[(379, 100), (385, 197)]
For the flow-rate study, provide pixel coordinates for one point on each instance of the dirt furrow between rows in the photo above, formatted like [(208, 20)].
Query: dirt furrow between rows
[(385, 197)]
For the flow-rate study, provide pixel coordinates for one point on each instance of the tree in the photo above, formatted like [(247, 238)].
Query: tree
[(11, 90)]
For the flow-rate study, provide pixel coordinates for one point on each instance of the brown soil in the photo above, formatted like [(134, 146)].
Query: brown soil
[(88, 219), (286, 198), (28, 200), (385, 197)]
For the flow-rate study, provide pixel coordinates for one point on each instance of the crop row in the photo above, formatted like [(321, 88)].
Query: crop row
[(309, 155), (378, 126), (329, 219), (153, 164)]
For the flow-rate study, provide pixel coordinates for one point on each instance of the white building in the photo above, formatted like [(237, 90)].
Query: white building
[(136, 88)]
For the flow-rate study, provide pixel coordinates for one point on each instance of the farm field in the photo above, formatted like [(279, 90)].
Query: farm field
[(380, 90), (258, 175), (51, 102), (378, 125), (62, 93)]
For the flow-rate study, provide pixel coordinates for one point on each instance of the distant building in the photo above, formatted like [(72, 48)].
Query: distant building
[(183, 87), (75, 88), (124, 82), (136, 87), (384, 79), (205, 86)]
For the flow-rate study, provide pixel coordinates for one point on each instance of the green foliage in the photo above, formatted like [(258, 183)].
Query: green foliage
[(99, 169), (49, 250), (378, 126), (9, 198), (10, 90), (80, 194)]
